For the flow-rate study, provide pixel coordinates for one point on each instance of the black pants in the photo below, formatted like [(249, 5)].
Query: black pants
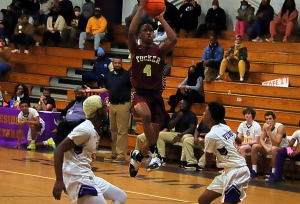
[(22, 39), (191, 97), (52, 36), (216, 29)]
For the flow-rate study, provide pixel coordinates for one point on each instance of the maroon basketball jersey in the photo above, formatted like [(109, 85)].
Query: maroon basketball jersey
[(147, 68)]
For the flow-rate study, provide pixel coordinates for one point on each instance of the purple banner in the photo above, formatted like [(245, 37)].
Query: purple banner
[(9, 124)]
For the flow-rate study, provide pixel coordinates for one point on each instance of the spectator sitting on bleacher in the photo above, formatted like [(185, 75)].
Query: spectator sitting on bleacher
[(189, 11), (9, 23), (191, 89), (95, 30), (24, 11), (46, 103), (66, 10), (250, 130), (184, 121), (286, 21), (235, 60), (171, 14), (44, 12), (262, 19), (55, 25), (244, 18), (5, 54), (102, 66), (273, 138), (24, 33), (160, 34), (33, 8), (285, 153), (73, 28), (88, 9), (145, 18), (211, 60), (215, 20), (21, 92)]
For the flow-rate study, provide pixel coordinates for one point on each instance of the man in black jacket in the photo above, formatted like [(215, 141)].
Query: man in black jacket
[(215, 20)]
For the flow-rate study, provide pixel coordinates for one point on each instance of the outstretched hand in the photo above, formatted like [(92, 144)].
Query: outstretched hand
[(86, 89), (59, 186), (160, 16), (143, 3)]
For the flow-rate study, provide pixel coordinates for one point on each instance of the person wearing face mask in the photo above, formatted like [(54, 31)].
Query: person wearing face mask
[(96, 30), (10, 20), (235, 60), (55, 25), (73, 28), (46, 103), (88, 9), (191, 90), (118, 85), (211, 60), (286, 21), (244, 18), (184, 121), (215, 20), (24, 34), (21, 93), (102, 66)]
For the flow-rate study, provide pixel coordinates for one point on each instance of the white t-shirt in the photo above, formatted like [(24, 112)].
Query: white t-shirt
[(296, 135), (77, 161), (220, 141), (32, 113), (249, 131)]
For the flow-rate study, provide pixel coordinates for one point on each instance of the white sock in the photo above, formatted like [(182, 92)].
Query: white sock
[(254, 168), (32, 141), (273, 170), (45, 143)]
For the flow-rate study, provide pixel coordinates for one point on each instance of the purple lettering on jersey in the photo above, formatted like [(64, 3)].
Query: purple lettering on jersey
[(228, 135), (147, 68)]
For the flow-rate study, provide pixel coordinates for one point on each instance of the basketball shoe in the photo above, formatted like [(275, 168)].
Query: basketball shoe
[(51, 143), (155, 162), (31, 146), (135, 162)]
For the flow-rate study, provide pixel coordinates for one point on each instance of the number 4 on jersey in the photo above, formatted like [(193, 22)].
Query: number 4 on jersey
[(147, 70)]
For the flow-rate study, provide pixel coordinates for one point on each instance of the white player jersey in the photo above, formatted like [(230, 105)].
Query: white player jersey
[(284, 142), (249, 131), (220, 141), (296, 135), (32, 113), (77, 161)]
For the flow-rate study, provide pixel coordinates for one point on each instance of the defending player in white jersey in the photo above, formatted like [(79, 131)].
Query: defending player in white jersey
[(233, 182), (73, 158)]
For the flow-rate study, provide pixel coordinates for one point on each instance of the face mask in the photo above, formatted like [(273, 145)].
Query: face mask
[(78, 98), (47, 96), (99, 58), (214, 7), (237, 45), (77, 13), (243, 7), (98, 15)]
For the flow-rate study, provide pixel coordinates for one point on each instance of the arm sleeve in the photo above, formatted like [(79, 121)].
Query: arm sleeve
[(198, 85)]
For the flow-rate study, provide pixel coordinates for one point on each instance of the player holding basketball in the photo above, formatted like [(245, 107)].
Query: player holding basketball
[(147, 73), (73, 158), (233, 182)]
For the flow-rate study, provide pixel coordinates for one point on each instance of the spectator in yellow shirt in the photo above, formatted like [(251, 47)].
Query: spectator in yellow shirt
[(95, 30)]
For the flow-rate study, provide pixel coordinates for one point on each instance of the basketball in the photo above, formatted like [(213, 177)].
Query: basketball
[(154, 7)]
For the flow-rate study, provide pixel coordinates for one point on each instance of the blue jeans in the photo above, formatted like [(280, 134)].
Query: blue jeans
[(258, 29), (4, 67), (22, 39), (97, 38)]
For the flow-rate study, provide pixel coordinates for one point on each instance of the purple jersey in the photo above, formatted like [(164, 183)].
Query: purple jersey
[(147, 68)]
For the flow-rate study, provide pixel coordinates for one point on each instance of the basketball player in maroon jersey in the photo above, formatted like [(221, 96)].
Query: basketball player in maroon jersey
[(147, 73)]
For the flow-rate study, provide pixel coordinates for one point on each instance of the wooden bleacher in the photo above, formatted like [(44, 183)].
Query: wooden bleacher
[(268, 61)]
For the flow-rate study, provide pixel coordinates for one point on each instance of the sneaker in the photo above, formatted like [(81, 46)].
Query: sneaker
[(258, 39), (135, 162), (275, 179), (148, 160), (37, 44), (253, 174), (199, 168), (182, 164), (270, 40), (15, 51), (26, 52), (31, 146), (111, 158), (219, 77), (241, 79), (51, 143), (7, 41), (191, 166), (118, 160), (271, 177), (155, 163)]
